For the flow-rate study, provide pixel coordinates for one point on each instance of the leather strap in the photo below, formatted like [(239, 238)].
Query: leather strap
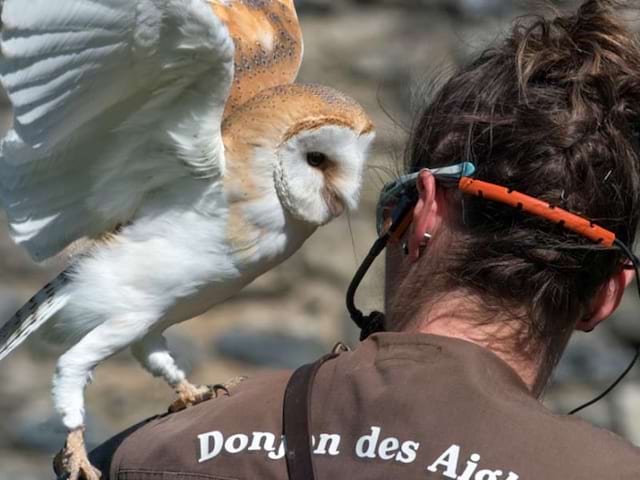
[(297, 420)]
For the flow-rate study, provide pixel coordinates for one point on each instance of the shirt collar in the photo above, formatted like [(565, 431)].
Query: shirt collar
[(472, 360)]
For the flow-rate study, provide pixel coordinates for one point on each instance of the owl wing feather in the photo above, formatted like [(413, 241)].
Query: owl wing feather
[(112, 99), (269, 45)]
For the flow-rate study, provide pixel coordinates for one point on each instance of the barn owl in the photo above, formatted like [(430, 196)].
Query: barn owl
[(168, 132)]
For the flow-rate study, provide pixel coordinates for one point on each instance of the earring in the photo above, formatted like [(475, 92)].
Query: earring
[(423, 244), (425, 241)]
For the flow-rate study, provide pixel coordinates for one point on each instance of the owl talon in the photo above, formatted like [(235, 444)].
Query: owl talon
[(190, 395), (72, 462), (234, 382), (219, 387)]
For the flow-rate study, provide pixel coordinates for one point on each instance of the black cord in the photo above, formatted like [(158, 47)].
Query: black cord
[(636, 266), (611, 387), (356, 314), (374, 322)]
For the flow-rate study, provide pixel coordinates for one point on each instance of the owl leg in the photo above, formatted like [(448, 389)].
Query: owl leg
[(73, 459), (73, 372), (154, 355)]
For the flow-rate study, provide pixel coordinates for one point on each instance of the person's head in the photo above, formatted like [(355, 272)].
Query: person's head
[(552, 112)]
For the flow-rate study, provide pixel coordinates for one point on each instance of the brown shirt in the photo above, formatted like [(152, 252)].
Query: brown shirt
[(401, 406)]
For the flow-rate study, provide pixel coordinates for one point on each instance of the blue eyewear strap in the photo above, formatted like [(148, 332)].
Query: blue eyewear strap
[(404, 191)]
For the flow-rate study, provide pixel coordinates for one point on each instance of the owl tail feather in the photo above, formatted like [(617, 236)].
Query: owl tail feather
[(35, 313)]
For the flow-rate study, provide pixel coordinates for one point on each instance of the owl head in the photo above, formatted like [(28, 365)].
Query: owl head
[(314, 140)]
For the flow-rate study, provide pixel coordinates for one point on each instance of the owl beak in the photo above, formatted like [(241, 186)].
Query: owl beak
[(336, 207), (335, 203)]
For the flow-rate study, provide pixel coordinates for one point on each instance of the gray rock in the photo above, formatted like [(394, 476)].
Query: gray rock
[(481, 8), (274, 350), (10, 302), (627, 399), (565, 399), (625, 323), (11, 474), (596, 359), (48, 435), (458, 8), (316, 6), (42, 349), (186, 352)]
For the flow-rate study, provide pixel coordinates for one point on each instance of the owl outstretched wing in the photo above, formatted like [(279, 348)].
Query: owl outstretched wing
[(113, 99)]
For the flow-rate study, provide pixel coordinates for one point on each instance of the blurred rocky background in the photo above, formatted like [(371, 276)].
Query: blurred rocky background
[(380, 52)]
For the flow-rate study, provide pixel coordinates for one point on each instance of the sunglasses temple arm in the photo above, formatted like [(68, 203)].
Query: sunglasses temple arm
[(356, 315), (378, 247)]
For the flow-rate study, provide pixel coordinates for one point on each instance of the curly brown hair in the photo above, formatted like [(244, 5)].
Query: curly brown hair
[(553, 112)]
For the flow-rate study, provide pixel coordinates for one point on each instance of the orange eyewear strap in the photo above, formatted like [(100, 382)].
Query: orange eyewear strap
[(539, 208)]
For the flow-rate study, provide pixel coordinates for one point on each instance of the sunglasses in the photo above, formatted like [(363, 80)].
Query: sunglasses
[(399, 197)]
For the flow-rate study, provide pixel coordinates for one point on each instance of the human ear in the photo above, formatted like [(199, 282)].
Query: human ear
[(426, 214), (607, 300)]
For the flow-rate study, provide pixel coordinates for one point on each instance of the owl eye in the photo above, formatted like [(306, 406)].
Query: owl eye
[(317, 159)]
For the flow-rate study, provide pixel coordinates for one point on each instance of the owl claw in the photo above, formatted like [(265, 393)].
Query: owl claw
[(72, 462), (190, 395), (234, 382)]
